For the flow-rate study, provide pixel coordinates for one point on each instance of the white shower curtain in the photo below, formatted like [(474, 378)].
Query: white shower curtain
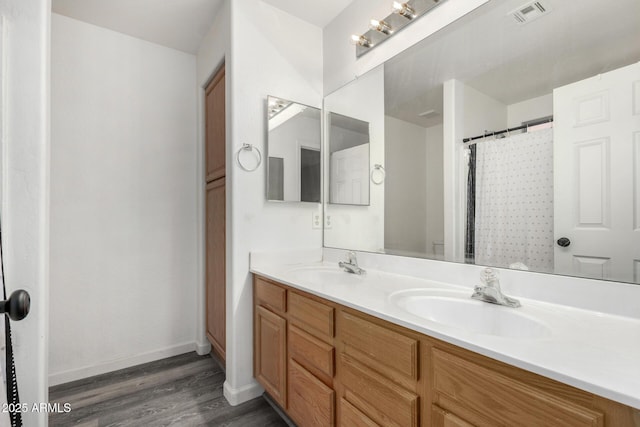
[(514, 201)]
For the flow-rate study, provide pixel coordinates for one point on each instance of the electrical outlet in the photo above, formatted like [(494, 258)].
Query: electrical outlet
[(327, 221), (316, 220)]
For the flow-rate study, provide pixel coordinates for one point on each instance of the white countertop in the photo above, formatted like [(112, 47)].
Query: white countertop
[(590, 350)]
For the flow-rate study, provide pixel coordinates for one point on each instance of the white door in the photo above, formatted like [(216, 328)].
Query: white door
[(24, 144), (597, 176), (349, 176)]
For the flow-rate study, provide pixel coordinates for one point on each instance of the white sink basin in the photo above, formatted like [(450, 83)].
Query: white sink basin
[(323, 275), (456, 309)]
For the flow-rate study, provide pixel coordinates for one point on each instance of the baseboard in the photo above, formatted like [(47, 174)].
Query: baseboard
[(236, 396), (203, 348), (114, 365)]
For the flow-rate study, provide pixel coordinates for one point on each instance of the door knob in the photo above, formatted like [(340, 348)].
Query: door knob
[(564, 242), (17, 306)]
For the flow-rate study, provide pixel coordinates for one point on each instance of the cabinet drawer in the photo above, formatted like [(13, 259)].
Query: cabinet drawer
[(458, 382), (313, 354), (380, 399), (311, 316), (350, 416), (311, 403), (270, 295), (383, 346)]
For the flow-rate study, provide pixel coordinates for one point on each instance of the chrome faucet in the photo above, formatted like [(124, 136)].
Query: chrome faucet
[(351, 266), (490, 291)]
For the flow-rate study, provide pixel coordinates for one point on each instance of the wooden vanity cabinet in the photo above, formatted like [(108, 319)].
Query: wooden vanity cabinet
[(346, 368)]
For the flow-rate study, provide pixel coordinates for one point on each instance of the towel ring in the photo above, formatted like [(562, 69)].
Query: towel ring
[(383, 174), (249, 147)]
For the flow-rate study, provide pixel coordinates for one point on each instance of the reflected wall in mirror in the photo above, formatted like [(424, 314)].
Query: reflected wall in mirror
[(512, 144), (348, 160), (293, 149), (356, 111)]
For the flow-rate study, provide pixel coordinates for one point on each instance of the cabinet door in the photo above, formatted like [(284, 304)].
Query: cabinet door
[(442, 418), (215, 132), (216, 277), (270, 354)]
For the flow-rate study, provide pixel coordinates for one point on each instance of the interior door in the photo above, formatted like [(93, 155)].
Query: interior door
[(24, 181), (350, 175), (597, 176)]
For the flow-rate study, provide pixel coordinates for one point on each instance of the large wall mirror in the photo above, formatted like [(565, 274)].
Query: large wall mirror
[(293, 152), (510, 138)]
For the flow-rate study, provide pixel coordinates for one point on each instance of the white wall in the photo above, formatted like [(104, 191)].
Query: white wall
[(272, 53), (123, 201), (413, 157), (340, 63), (25, 189), (530, 109), (405, 208), (435, 188), (481, 113), (360, 227)]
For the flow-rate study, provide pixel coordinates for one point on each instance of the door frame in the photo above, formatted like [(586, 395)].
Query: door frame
[(25, 148)]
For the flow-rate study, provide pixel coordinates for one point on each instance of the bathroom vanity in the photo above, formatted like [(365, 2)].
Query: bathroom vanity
[(358, 358)]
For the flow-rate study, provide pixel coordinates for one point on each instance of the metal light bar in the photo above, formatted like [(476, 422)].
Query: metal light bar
[(403, 14)]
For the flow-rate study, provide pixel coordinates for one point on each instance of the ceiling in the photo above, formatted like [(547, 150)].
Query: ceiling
[(318, 13), (510, 62), (178, 24)]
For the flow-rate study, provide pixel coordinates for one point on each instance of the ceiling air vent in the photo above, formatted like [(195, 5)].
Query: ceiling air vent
[(530, 11)]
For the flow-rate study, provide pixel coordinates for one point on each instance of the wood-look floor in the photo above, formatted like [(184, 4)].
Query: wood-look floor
[(185, 390)]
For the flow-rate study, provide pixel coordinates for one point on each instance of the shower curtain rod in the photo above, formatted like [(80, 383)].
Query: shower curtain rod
[(500, 132)]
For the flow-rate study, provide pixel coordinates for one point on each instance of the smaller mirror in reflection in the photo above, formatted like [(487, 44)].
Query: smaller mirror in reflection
[(348, 160), (293, 169)]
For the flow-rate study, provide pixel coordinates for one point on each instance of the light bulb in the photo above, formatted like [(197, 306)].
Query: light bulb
[(404, 9), (380, 26), (361, 40)]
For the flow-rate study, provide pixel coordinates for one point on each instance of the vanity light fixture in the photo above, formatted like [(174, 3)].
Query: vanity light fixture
[(404, 9), (361, 40), (276, 105), (381, 26), (380, 30)]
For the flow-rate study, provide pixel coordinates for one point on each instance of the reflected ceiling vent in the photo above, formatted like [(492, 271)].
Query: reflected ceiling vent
[(530, 11)]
